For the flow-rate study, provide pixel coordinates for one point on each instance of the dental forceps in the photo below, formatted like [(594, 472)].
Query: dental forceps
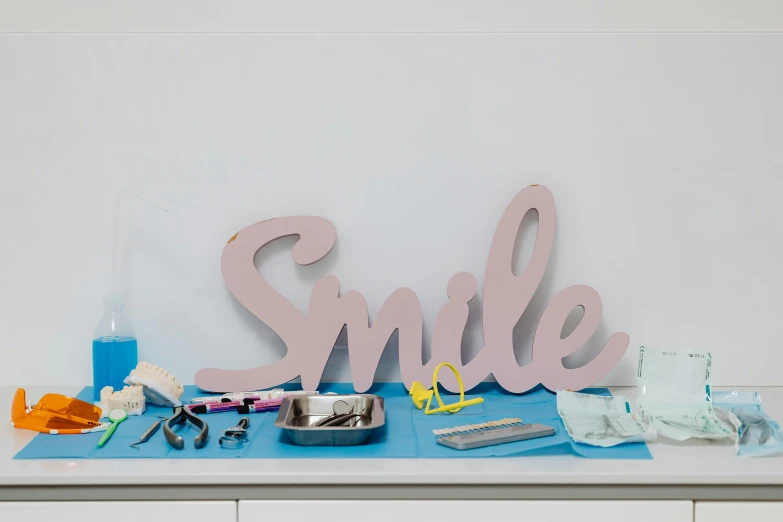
[(182, 414)]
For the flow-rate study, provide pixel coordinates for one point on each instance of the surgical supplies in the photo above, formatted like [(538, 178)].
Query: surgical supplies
[(56, 414), (277, 393), (181, 416), (251, 406), (129, 398), (298, 416), (214, 407), (494, 436), (236, 437), (600, 421), (468, 428), (116, 416), (114, 348), (419, 394), (160, 387), (758, 435), (147, 435), (674, 395)]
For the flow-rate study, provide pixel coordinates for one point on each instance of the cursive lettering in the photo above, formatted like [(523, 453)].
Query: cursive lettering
[(311, 339)]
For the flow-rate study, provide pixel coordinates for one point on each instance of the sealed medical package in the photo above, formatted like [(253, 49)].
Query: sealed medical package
[(759, 435), (675, 396), (600, 420)]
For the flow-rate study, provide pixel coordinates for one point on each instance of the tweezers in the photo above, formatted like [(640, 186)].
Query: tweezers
[(181, 415)]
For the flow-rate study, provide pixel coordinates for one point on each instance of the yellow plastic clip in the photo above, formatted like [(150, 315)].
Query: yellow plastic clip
[(419, 394)]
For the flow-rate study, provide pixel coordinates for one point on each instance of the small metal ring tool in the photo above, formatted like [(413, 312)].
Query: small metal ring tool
[(236, 437)]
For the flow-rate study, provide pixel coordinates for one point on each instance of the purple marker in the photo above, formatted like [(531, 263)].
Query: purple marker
[(260, 406)]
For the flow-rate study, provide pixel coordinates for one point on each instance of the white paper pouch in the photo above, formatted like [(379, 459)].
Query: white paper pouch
[(675, 396), (600, 420)]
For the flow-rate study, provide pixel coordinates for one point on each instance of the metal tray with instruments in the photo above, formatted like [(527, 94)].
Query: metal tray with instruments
[(330, 420)]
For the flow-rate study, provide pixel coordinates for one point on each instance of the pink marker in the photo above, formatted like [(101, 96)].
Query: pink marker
[(214, 407)]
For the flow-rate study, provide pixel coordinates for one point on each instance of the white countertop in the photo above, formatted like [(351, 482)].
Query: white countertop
[(695, 463)]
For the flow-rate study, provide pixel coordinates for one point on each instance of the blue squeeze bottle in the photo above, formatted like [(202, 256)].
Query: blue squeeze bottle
[(114, 347)]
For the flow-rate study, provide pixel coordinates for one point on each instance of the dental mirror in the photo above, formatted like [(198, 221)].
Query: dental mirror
[(116, 416), (340, 407)]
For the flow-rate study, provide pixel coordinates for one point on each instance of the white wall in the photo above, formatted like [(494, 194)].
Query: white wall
[(659, 136)]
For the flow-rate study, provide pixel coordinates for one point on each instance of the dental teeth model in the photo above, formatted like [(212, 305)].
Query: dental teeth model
[(160, 387), (130, 398)]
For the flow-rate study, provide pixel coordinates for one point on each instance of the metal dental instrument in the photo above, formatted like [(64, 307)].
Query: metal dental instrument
[(236, 437), (754, 424), (340, 409), (181, 415), (342, 414), (338, 420), (149, 433)]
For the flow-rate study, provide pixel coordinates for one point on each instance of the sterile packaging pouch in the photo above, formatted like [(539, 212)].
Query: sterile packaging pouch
[(600, 421), (759, 435), (675, 396)]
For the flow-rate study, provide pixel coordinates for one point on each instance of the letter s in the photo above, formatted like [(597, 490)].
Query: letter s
[(317, 237)]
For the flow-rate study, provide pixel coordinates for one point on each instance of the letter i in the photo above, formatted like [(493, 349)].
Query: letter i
[(450, 326)]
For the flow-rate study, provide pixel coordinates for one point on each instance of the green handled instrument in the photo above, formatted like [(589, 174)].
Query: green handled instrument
[(116, 416)]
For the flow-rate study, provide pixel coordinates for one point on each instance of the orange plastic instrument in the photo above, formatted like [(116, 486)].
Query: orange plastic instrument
[(56, 414)]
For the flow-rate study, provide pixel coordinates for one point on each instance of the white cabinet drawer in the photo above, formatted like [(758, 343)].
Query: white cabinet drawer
[(733, 511), (118, 511), (465, 511)]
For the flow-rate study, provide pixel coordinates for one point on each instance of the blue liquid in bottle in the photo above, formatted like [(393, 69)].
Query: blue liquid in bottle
[(114, 347), (113, 358)]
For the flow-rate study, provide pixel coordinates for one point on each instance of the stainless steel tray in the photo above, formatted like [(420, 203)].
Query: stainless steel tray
[(298, 414)]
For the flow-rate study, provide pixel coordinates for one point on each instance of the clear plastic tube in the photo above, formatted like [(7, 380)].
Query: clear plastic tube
[(116, 232)]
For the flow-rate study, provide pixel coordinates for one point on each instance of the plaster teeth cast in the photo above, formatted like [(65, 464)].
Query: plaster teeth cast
[(129, 398), (160, 387)]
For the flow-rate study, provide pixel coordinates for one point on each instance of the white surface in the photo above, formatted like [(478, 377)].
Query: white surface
[(446, 511), (117, 511), (690, 463), (662, 152), (733, 511), (399, 16)]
